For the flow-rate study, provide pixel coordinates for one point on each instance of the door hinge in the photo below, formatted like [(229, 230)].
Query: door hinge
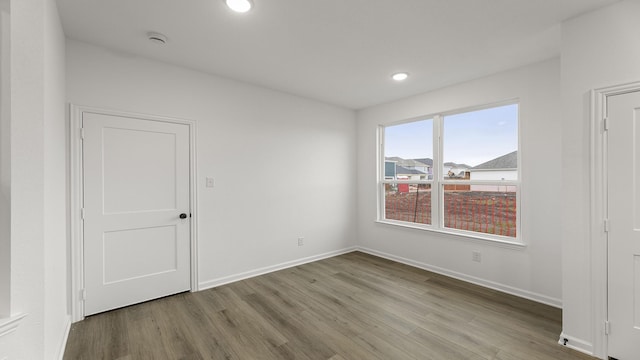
[(82, 213), (83, 294), (82, 133), (605, 124), (607, 328), (607, 225)]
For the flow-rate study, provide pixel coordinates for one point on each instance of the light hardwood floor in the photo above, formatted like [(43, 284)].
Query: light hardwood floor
[(353, 306)]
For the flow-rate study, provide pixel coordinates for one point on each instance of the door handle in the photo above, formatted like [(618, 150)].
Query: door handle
[(183, 216)]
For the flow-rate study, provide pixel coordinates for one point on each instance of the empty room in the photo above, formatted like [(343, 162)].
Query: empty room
[(253, 179)]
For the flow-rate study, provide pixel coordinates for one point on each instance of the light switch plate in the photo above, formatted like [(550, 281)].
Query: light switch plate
[(209, 182)]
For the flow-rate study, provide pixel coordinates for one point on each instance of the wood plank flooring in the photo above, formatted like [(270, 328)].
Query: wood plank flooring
[(353, 306)]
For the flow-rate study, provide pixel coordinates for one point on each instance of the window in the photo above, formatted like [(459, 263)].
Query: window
[(408, 172), (455, 172)]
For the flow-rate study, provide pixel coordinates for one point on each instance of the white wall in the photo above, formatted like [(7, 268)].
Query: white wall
[(27, 180), (38, 264), (532, 271), (302, 153), (55, 185), (5, 162), (598, 49)]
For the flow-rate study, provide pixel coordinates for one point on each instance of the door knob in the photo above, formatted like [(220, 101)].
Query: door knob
[(183, 216)]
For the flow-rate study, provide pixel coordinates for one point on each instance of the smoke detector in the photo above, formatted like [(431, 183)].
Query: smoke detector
[(156, 38)]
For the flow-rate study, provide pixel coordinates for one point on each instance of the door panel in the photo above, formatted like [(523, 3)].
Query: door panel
[(623, 159), (122, 249), (129, 187), (136, 184)]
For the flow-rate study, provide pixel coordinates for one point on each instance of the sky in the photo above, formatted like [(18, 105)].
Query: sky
[(470, 138)]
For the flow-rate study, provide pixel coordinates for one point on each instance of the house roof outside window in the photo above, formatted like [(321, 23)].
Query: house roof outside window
[(505, 162), (400, 170), (410, 163)]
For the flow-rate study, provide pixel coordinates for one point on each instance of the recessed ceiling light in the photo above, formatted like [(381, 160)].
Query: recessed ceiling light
[(156, 38), (400, 76), (240, 6)]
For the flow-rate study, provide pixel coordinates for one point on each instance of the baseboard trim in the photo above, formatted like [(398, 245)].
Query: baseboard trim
[(65, 338), (557, 303), (268, 269), (9, 325), (576, 344), (456, 275)]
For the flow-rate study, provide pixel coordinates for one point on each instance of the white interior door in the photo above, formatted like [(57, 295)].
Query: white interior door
[(623, 159), (136, 186)]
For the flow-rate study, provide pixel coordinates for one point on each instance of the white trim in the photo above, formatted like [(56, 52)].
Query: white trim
[(598, 211), (481, 182), (576, 344), (456, 275), (76, 198), (193, 135), (462, 234), (407, 181), (437, 215), (455, 182), (269, 269), (557, 303), (9, 325), (75, 206), (65, 337), (597, 237)]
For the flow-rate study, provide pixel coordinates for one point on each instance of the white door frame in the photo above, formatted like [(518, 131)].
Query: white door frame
[(76, 192), (598, 211)]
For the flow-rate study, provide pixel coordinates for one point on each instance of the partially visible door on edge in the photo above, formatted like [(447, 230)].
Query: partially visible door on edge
[(136, 186), (623, 159)]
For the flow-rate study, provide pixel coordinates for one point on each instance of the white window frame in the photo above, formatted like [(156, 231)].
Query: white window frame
[(382, 181), (438, 182)]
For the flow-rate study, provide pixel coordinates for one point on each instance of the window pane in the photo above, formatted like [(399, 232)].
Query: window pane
[(408, 202), (408, 151), (481, 145), (489, 209)]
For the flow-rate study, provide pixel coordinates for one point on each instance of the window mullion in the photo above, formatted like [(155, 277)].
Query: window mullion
[(436, 196), (406, 181), (381, 169), (482, 182)]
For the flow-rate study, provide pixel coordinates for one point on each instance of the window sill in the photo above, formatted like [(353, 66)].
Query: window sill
[(9, 325), (515, 244)]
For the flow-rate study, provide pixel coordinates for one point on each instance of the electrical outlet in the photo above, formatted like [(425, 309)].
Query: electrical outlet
[(476, 256), (300, 241)]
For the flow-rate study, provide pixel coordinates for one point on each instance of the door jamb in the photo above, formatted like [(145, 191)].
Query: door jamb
[(598, 211), (76, 192)]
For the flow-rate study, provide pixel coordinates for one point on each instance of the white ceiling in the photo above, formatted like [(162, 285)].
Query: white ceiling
[(337, 51)]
